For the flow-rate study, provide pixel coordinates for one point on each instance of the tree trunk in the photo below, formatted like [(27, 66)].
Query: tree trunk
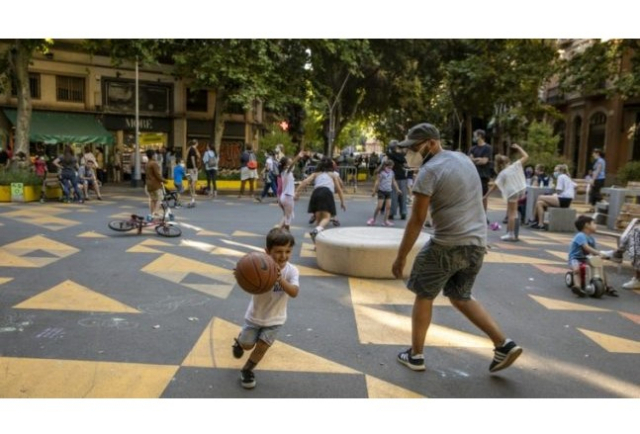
[(218, 118), (469, 131), (20, 64)]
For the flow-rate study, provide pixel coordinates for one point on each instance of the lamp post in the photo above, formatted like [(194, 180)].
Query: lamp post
[(135, 181), (332, 121)]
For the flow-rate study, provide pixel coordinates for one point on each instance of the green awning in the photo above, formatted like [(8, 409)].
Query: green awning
[(51, 128)]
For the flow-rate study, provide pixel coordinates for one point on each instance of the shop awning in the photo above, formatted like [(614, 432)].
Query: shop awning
[(51, 128)]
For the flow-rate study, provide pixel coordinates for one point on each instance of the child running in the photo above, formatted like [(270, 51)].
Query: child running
[(267, 312), (384, 183)]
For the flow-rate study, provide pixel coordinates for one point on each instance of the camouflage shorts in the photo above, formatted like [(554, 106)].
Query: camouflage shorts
[(452, 268)]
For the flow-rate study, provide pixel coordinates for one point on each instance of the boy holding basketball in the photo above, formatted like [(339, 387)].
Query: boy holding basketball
[(267, 312)]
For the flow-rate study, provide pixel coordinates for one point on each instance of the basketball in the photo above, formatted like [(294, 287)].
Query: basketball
[(256, 272)]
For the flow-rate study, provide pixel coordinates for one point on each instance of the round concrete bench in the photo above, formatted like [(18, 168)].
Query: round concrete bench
[(363, 251)]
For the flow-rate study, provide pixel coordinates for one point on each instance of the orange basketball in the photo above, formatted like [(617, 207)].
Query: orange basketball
[(256, 272)]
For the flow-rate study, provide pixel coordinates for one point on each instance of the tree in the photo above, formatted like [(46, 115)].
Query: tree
[(15, 61)]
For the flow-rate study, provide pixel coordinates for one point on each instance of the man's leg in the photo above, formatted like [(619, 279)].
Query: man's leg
[(475, 313), (420, 322)]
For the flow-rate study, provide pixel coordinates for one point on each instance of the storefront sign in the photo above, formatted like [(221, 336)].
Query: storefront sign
[(128, 123)]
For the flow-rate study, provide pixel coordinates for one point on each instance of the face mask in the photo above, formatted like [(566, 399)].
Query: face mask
[(556, 174)]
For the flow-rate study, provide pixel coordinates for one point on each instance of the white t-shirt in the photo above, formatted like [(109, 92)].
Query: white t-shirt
[(566, 187), (270, 308), (288, 183), (511, 181), (323, 179)]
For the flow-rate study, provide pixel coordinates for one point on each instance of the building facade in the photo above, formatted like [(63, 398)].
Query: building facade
[(69, 81), (596, 121)]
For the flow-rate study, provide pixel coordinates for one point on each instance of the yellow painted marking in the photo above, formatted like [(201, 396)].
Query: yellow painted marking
[(540, 243), (557, 238), (370, 291), (124, 215), (508, 258), (175, 268), (561, 255), (9, 260), (154, 242), (376, 326), (227, 252), (246, 246), (72, 296), (308, 271), (50, 222), (139, 248), (307, 253), (44, 378), (84, 210), (40, 242), (211, 233), (5, 279), (377, 388), (126, 207), (245, 234), (631, 316), (613, 344), (553, 304), (31, 213), (213, 349), (91, 234), (550, 269)]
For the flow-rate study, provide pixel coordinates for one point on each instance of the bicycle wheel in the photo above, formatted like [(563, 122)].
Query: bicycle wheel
[(167, 230), (122, 225)]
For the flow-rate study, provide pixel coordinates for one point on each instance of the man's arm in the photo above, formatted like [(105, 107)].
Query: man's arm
[(411, 232)]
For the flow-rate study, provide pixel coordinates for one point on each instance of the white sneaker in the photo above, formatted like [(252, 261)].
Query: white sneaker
[(632, 284), (508, 237)]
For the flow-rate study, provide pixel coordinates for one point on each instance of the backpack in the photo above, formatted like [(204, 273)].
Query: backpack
[(252, 164), (212, 161)]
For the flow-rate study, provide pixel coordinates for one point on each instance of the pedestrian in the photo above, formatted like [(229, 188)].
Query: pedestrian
[(67, 165), (287, 193), (322, 202), (117, 166), (482, 156), (270, 176), (267, 312), (598, 176), (178, 176), (99, 167), (248, 170), (384, 184), (512, 183), (453, 256), (398, 199), (153, 185), (193, 163), (210, 161)]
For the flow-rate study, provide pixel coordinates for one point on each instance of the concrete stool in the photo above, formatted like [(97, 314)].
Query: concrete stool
[(366, 252), (562, 219)]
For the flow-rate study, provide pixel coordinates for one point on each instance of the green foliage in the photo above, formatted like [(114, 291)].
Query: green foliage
[(275, 136), (26, 177), (629, 172), (541, 145)]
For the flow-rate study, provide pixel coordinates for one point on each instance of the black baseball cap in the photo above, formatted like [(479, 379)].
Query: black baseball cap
[(420, 133)]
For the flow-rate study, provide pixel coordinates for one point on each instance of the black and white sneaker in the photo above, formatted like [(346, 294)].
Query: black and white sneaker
[(247, 379), (415, 363), (505, 355), (313, 234), (238, 351)]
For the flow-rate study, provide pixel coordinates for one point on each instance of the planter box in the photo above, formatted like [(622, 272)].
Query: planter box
[(31, 193), (221, 184)]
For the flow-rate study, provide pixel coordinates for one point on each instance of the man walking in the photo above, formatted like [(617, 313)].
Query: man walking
[(482, 154), (453, 257)]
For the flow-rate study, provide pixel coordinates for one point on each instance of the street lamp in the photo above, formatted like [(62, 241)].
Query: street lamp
[(135, 181)]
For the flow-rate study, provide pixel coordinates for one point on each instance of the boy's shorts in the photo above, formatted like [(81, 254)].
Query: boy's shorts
[(575, 263), (251, 333), (453, 268), (179, 187)]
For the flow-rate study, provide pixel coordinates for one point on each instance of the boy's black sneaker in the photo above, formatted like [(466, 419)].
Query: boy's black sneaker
[(313, 234), (247, 379), (238, 351), (578, 291), (415, 363), (505, 355)]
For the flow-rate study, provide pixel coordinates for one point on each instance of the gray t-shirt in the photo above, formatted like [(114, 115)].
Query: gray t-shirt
[(451, 179)]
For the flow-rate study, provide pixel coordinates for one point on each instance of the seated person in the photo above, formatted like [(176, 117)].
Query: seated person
[(565, 193), (87, 179), (630, 243), (540, 179), (584, 244)]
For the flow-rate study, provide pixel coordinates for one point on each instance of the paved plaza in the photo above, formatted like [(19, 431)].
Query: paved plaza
[(88, 312)]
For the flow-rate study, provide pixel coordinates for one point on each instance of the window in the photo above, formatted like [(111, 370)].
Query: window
[(34, 85), (197, 100), (69, 88)]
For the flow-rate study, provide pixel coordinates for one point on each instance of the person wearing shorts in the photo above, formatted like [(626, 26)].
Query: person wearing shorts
[(153, 185), (448, 184)]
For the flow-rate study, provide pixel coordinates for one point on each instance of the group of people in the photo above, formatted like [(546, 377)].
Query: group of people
[(77, 176)]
